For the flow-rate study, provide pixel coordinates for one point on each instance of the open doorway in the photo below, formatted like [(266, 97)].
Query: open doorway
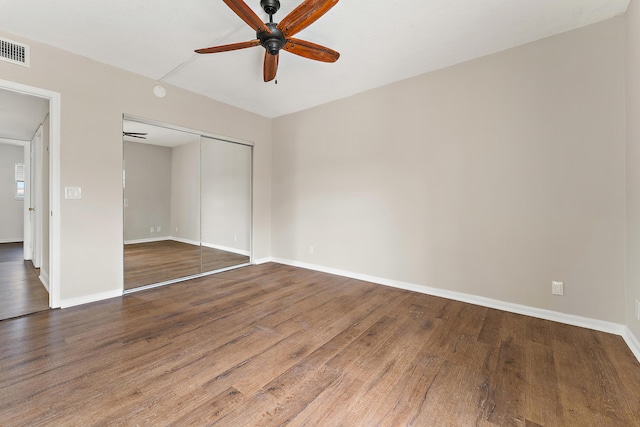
[(26, 284)]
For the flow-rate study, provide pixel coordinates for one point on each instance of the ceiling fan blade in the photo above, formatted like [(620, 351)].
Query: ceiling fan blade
[(311, 50), (247, 15), (228, 47), (140, 135), (304, 15), (270, 66)]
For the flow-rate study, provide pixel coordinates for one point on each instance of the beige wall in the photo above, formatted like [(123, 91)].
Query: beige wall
[(94, 96), (11, 210), (491, 178), (173, 187), (185, 192), (147, 191), (633, 166), (226, 195)]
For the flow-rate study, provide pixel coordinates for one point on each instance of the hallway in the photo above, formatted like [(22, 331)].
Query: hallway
[(21, 291)]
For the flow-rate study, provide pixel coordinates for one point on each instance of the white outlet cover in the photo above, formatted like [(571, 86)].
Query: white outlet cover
[(557, 288), (637, 309)]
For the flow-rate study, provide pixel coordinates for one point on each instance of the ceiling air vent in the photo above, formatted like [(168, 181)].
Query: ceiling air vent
[(14, 52)]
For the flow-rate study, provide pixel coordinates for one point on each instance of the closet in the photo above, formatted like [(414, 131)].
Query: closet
[(186, 203)]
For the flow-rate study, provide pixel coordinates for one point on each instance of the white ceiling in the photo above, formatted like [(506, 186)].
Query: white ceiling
[(20, 115), (380, 41)]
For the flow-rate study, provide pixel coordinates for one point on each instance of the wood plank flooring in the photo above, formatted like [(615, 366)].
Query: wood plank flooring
[(21, 291), (277, 345), (155, 262)]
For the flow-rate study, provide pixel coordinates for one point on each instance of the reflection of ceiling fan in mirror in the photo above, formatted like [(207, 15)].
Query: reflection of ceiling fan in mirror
[(140, 135), (273, 36)]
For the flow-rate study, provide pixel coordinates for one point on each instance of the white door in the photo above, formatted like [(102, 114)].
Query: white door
[(33, 195), (27, 245), (36, 198)]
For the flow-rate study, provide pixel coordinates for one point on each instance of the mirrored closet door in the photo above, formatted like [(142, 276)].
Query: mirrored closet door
[(226, 204), (187, 204)]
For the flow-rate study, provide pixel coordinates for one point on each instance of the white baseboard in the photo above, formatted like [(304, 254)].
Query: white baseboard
[(569, 319), (263, 260), (44, 278), (226, 249), (71, 302), (182, 240), (14, 240), (148, 240), (632, 342), (189, 242)]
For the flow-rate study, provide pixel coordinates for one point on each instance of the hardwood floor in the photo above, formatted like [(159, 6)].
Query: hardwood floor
[(277, 345), (155, 262), (21, 291)]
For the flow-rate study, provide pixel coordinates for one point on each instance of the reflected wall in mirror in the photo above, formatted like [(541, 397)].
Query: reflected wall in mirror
[(187, 204), (226, 204), (161, 182)]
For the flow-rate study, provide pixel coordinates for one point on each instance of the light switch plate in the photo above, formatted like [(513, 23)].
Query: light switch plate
[(72, 193)]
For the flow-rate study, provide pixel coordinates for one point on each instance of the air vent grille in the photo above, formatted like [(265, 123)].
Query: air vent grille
[(14, 52)]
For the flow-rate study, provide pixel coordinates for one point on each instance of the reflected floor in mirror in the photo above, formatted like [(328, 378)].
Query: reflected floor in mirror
[(156, 262)]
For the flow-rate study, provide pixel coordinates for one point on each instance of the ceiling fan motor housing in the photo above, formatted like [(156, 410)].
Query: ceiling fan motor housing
[(273, 41)]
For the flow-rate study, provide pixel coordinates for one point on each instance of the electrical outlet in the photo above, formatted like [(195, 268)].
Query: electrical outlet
[(151, 229), (557, 288), (310, 250), (637, 310), (158, 229), (235, 237)]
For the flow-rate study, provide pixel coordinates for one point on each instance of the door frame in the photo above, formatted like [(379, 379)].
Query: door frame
[(54, 181)]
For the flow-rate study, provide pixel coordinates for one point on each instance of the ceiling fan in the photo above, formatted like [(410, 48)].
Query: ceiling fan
[(140, 135), (273, 36)]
